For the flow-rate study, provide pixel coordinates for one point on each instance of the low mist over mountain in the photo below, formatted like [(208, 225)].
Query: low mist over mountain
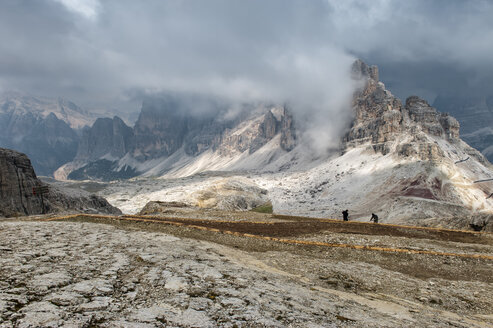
[(405, 161), (284, 101), (168, 134), (246, 163)]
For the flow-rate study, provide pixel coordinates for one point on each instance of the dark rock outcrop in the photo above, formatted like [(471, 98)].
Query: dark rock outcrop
[(22, 193), (17, 185), (288, 131), (107, 137), (65, 200), (102, 170)]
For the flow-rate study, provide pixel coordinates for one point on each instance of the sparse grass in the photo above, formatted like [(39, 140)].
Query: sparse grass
[(265, 208)]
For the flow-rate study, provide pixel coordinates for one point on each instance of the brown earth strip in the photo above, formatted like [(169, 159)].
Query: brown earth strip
[(300, 226), (258, 231)]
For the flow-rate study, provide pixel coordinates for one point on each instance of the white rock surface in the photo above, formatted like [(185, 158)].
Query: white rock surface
[(107, 277)]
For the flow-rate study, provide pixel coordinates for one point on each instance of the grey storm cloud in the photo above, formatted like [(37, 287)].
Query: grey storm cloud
[(104, 52)]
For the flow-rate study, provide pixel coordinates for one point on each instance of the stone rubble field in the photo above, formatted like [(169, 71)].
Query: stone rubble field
[(82, 274)]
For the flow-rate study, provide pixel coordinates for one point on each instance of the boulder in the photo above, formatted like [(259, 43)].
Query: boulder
[(231, 194)]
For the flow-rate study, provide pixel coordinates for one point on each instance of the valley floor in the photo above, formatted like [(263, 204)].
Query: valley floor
[(186, 270)]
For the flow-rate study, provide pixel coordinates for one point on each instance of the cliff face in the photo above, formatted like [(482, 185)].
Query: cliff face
[(17, 183), (160, 129), (382, 120), (431, 121), (22, 193), (172, 127), (50, 141), (378, 115), (107, 137), (252, 133), (166, 125)]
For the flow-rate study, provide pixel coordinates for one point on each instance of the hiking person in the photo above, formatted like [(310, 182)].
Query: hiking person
[(345, 215), (374, 218)]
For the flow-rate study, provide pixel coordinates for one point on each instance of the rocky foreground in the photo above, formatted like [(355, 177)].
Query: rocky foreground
[(85, 274)]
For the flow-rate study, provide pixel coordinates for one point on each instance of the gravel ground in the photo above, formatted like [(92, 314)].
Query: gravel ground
[(84, 274)]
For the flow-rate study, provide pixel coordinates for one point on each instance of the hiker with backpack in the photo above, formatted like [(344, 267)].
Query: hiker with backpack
[(345, 215), (374, 218)]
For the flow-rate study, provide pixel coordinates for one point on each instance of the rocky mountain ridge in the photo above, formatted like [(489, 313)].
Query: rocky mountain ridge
[(49, 130), (167, 129), (405, 162), (425, 145), (172, 137), (65, 110)]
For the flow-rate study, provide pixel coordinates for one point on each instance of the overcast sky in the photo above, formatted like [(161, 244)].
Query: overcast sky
[(105, 53)]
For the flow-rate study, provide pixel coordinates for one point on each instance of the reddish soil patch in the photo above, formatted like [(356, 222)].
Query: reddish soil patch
[(419, 192), (419, 187)]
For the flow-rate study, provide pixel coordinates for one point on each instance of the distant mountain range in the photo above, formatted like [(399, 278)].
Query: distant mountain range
[(168, 137), (45, 129), (175, 135), (404, 161)]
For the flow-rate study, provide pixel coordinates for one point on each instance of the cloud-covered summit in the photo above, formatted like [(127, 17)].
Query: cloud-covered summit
[(100, 52)]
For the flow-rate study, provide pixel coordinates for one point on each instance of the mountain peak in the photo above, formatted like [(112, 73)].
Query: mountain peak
[(361, 70)]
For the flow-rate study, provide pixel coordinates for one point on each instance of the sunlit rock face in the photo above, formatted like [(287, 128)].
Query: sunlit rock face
[(431, 121), (382, 120), (378, 115)]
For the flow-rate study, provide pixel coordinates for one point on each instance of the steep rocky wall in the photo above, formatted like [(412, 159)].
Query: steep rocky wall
[(378, 115), (17, 180), (171, 125), (165, 125), (106, 137), (21, 194), (380, 119), (431, 121)]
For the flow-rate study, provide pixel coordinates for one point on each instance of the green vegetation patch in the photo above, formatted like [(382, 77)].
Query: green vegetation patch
[(265, 208)]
